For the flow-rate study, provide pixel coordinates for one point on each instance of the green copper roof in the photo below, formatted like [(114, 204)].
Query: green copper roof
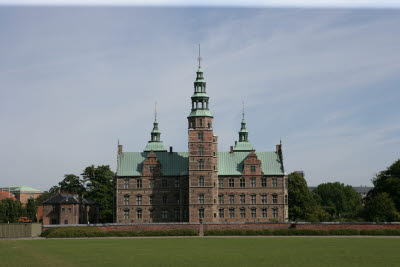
[(200, 113), (196, 94), (154, 146), (177, 163), (172, 164), (243, 146), (23, 188)]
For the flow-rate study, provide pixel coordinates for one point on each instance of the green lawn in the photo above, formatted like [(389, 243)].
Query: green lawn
[(206, 252)]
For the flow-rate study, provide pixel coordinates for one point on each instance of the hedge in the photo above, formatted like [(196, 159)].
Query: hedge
[(70, 232), (305, 232)]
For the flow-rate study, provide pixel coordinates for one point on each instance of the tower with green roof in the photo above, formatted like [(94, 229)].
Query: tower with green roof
[(203, 154), (155, 143)]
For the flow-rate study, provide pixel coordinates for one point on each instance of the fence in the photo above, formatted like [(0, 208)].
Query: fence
[(12, 230)]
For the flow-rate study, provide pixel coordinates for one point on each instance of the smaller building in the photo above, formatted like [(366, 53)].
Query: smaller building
[(5, 194), (23, 193), (70, 208)]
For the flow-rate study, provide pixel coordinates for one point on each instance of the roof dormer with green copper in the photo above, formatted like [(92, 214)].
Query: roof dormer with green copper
[(155, 143), (200, 98), (243, 144)]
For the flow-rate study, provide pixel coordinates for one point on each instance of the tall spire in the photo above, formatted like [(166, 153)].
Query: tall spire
[(200, 97), (243, 144), (155, 143)]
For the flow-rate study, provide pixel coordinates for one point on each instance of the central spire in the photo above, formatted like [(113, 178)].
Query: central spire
[(243, 144), (200, 98), (155, 143)]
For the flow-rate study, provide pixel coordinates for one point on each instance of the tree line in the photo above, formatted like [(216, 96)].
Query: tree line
[(339, 202)]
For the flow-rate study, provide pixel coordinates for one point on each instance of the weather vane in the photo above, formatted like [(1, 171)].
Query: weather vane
[(199, 58), (243, 109)]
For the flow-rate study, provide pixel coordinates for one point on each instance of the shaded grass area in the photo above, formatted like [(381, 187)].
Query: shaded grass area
[(276, 251)]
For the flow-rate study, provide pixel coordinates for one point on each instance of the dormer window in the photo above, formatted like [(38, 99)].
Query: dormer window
[(252, 168)]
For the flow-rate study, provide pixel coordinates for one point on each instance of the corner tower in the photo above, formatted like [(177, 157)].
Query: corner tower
[(203, 155)]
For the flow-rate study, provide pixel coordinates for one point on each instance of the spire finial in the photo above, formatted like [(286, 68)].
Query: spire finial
[(155, 110), (199, 58), (243, 110)]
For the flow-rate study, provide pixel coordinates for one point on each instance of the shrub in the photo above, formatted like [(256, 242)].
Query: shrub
[(387, 232), (344, 232)]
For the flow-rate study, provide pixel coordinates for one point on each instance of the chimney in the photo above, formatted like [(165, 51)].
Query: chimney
[(170, 149), (119, 149), (231, 150)]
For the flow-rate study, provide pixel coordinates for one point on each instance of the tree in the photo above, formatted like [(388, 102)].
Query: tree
[(100, 188), (381, 208), (11, 210), (72, 183), (338, 200), (388, 181), (302, 206), (31, 209)]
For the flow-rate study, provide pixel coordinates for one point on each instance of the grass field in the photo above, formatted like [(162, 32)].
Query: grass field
[(256, 251)]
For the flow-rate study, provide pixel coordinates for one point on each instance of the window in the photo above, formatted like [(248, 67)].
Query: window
[(264, 212), (201, 213), (201, 120), (126, 214), (231, 213), (69, 209), (286, 199), (253, 213), (200, 136), (139, 183), (151, 182), (201, 199), (242, 182), (253, 199), (242, 213), (201, 150), (221, 199), (126, 183), (253, 182), (177, 183), (221, 213), (275, 212), (139, 214), (209, 125), (201, 164), (177, 198), (177, 213), (264, 199), (275, 198), (164, 213), (63, 209), (164, 199), (126, 200), (274, 182), (139, 199), (164, 183), (231, 199), (220, 182), (151, 199), (201, 181), (242, 199), (264, 182), (231, 182), (151, 213), (66, 222), (151, 168), (252, 168)]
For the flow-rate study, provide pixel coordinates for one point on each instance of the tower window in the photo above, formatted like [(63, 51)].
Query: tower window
[(201, 199), (201, 213), (201, 181), (126, 200), (201, 150), (139, 183), (200, 136), (201, 164), (201, 120)]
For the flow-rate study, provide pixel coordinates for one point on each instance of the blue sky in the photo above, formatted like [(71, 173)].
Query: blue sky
[(75, 79)]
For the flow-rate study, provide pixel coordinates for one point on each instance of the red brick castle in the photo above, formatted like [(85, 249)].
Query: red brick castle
[(241, 185)]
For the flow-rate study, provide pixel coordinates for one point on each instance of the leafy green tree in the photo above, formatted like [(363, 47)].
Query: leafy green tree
[(31, 209), (100, 188), (302, 206), (11, 210), (339, 200), (381, 208), (388, 181), (72, 183)]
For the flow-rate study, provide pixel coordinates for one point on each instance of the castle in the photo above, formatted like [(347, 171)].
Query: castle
[(201, 185)]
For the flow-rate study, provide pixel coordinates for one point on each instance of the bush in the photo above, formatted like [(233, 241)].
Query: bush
[(70, 232), (344, 232), (388, 232)]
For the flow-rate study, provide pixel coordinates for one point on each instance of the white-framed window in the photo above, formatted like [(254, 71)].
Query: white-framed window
[(139, 213), (126, 200), (242, 199), (231, 213), (252, 169), (275, 199), (126, 183), (242, 182), (139, 183), (231, 199), (220, 182), (264, 212), (126, 213), (221, 199), (200, 136), (253, 212), (264, 182), (221, 213), (253, 199), (253, 182), (201, 164), (264, 198), (231, 182), (201, 150), (139, 200), (275, 212), (242, 213), (201, 213), (274, 182)]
